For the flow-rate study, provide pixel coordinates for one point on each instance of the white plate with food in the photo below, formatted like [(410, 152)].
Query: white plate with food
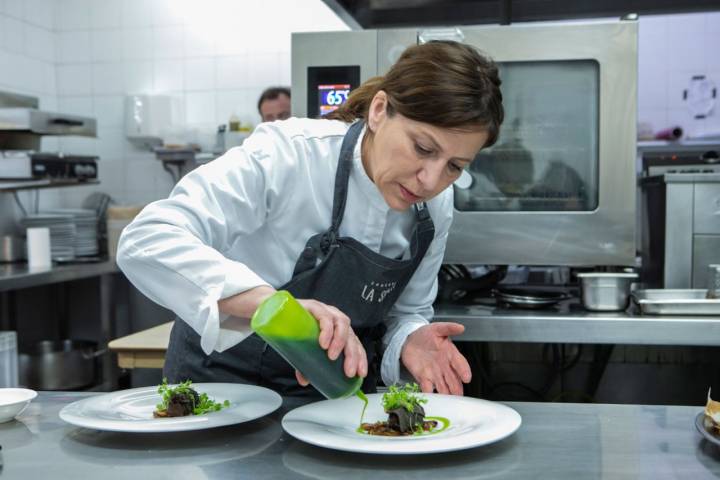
[(449, 423), (172, 408), (707, 422)]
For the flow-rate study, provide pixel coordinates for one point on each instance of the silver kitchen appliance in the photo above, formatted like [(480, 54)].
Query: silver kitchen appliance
[(15, 165), (558, 188), (22, 123), (25, 165), (63, 166), (680, 228), (679, 213)]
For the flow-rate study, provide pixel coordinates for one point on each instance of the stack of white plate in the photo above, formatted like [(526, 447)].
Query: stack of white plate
[(62, 232), (86, 222)]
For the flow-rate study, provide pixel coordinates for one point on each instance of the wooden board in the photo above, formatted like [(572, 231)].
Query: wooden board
[(145, 349)]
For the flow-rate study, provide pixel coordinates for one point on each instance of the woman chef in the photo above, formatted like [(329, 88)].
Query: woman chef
[(349, 213)]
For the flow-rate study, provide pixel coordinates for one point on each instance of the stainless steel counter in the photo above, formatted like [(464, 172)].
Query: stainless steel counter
[(572, 324), (14, 276), (556, 441)]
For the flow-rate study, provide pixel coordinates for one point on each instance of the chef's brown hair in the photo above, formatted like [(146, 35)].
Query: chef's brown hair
[(442, 83)]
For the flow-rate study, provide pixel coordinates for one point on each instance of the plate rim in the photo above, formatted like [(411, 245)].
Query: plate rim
[(380, 450), (117, 425), (700, 426)]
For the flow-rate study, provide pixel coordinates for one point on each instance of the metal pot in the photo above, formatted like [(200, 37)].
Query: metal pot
[(606, 292), (58, 365)]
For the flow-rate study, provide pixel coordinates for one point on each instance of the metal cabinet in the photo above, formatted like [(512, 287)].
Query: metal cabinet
[(681, 228)]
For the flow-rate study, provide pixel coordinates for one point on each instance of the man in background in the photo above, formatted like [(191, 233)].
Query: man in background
[(274, 104)]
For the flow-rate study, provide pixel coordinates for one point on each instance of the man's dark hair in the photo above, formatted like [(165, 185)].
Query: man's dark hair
[(271, 94)]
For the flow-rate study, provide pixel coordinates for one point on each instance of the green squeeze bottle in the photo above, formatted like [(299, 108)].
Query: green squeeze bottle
[(293, 332)]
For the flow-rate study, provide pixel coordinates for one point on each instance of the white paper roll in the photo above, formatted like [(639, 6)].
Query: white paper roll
[(38, 248)]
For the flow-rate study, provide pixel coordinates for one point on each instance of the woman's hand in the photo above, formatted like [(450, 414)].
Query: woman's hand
[(336, 336), (430, 356)]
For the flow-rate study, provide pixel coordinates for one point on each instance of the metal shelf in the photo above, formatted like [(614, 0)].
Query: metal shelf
[(12, 186)]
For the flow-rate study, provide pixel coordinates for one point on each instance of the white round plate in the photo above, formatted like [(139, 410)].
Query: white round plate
[(333, 424), (132, 410)]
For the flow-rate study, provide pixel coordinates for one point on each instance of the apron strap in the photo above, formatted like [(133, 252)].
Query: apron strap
[(423, 234), (421, 211), (318, 246), (343, 175), (309, 256)]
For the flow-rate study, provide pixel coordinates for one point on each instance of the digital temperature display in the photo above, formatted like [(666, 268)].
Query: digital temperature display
[(330, 97)]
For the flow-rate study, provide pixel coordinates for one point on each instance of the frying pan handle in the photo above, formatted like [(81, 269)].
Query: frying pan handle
[(88, 356)]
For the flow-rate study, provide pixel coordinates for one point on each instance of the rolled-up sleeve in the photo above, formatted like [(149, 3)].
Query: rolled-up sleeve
[(172, 251), (413, 308)]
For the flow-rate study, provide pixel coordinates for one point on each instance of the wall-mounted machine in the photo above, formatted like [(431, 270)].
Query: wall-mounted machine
[(22, 123), (558, 188)]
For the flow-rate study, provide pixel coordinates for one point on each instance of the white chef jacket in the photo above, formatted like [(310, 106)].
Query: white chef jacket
[(242, 220)]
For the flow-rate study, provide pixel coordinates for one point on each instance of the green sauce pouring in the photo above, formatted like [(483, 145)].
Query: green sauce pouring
[(362, 397)]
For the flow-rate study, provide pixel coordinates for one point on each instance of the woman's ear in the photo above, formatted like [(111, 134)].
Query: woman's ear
[(378, 110)]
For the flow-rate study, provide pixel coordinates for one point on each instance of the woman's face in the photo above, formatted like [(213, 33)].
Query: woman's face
[(410, 161)]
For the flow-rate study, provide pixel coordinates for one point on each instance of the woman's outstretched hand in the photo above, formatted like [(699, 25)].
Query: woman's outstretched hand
[(430, 357)]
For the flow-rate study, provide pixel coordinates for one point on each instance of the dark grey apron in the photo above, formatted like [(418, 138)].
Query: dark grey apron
[(338, 271)]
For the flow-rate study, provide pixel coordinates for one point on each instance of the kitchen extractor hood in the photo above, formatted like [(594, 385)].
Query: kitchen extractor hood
[(22, 123), (46, 123), (367, 14)]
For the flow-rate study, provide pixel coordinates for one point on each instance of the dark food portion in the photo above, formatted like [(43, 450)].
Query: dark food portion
[(180, 404), (400, 422), (382, 429), (406, 422), (182, 400), (406, 416)]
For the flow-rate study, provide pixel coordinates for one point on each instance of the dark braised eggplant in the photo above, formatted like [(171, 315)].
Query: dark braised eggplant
[(181, 404), (183, 400), (406, 422)]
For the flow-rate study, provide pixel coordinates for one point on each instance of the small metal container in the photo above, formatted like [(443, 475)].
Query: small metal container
[(12, 248), (606, 292), (676, 302), (713, 282)]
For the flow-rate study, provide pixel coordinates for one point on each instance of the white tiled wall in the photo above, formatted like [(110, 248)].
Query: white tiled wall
[(673, 48), (83, 56), (27, 56), (27, 66), (216, 56)]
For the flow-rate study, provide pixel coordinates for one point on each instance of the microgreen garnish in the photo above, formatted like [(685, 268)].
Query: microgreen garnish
[(402, 397), (201, 402)]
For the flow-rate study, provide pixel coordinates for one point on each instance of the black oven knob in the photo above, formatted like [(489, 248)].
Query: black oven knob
[(711, 156), (84, 171)]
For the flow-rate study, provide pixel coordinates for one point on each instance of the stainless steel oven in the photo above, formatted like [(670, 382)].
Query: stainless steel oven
[(558, 188)]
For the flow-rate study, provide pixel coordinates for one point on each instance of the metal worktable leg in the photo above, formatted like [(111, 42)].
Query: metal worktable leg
[(107, 329), (8, 320)]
